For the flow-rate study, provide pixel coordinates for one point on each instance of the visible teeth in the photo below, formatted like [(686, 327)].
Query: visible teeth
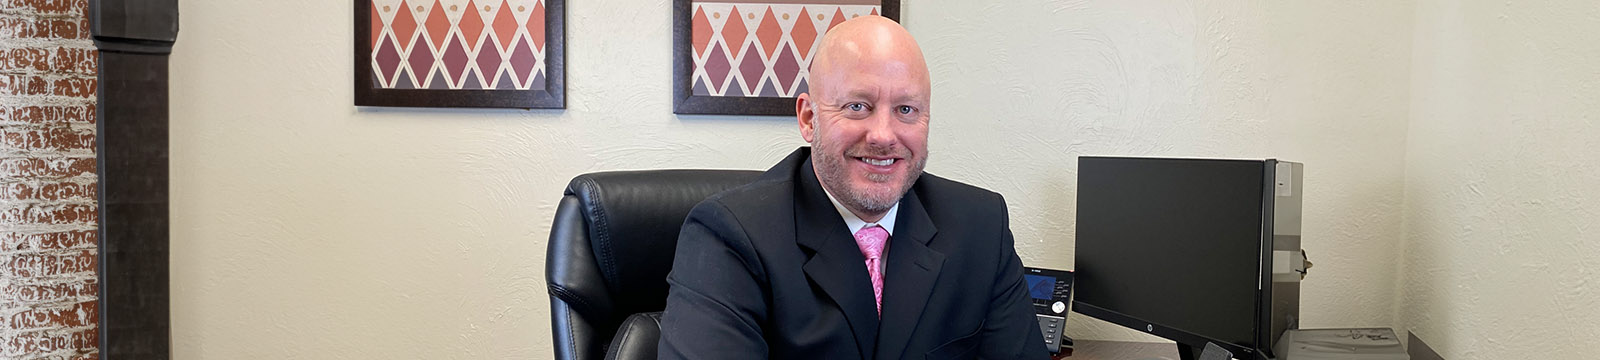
[(876, 162)]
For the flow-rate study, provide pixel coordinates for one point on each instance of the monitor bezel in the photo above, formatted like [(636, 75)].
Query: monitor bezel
[(1262, 349)]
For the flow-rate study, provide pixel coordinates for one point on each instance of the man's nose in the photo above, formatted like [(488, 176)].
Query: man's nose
[(880, 129)]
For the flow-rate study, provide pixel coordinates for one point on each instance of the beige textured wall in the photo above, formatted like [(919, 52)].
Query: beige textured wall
[(304, 227), (1501, 250)]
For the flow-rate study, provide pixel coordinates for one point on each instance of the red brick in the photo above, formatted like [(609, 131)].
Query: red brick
[(40, 342), (73, 60), (48, 191), (75, 315), (33, 265), (47, 7), (53, 167), (24, 59), (49, 292), (23, 27), (52, 214), (59, 240), (20, 84), (78, 87), (47, 114), (56, 138), (65, 29)]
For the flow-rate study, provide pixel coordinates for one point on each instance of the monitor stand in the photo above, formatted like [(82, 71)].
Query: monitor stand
[(1186, 352)]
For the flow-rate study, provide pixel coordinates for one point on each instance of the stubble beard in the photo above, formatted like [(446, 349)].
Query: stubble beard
[(831, 171)]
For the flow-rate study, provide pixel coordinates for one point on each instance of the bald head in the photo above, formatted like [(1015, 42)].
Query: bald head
[(873, 44), (866, 114)]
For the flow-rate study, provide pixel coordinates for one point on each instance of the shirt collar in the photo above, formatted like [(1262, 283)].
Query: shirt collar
[(855, 223)]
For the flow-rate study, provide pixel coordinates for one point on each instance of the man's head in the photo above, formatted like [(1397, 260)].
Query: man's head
[(866, 115)]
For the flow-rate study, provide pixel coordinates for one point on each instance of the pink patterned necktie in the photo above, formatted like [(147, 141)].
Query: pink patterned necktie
[(871, 240)]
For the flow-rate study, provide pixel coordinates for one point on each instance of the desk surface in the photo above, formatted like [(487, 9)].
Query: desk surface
[(1122, 350)]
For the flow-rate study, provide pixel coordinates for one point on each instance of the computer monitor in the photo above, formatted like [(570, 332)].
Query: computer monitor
[(1184, 249)]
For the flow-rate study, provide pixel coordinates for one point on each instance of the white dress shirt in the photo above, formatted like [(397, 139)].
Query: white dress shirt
[(854, 223)]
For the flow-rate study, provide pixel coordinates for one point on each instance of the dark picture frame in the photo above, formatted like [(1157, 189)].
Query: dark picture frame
[(551, 96), (685, 101)]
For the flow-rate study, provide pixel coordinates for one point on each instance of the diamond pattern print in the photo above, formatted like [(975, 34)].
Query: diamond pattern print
[(437, 25), (471, 25), (402, 23), (388, 62), (536, 26), (522, 62), (734, 31), (770, 44), (505, 26), (769, 34), (377, 25), (701, 33), (458, 44), (804, 33), (455, 59)]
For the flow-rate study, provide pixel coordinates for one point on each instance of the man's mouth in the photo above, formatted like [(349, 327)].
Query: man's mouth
[(877, 161)]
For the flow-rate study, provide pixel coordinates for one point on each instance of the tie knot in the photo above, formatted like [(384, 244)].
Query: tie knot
[(871, 240)]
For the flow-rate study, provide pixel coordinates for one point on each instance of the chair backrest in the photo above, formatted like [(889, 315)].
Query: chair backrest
[(611, 246)]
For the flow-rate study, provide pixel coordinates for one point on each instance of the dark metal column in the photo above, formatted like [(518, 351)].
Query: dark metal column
[(135, 38)]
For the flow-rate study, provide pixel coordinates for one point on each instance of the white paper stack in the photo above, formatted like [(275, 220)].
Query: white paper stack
[(1341, 344)]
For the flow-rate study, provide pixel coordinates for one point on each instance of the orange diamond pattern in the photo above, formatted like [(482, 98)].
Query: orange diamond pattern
[(804, 36), (489, 29), (505, 26), (377, 26), (701, 33), (769, 33), (471, 25), (536, 27), (437, 25), (783, 41), (734, 31), (402, 22)]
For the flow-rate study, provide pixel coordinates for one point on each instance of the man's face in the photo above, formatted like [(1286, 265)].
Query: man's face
[(868, 127)]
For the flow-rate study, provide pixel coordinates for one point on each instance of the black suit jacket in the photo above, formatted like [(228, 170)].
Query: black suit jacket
[(770, 270)]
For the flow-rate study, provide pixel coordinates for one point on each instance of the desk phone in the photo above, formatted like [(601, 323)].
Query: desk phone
[(1051, 292)]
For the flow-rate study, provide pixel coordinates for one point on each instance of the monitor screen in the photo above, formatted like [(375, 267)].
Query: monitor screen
[(1172, 242)]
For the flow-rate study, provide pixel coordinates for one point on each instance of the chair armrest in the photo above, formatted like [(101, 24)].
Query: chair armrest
[(636, 338)]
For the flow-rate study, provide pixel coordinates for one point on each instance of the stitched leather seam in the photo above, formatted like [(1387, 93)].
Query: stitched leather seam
[(601, 232), (572, 298), (572, 339)]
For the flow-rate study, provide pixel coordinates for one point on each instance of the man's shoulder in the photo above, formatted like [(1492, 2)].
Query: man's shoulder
[(938, 193), (760, 193)]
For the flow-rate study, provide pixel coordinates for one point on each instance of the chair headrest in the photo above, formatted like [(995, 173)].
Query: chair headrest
[(633, 219)]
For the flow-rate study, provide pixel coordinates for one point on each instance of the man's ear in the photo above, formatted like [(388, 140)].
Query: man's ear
[(803, 112)]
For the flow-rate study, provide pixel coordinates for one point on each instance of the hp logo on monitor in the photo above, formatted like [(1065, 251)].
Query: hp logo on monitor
[(1149, 328)]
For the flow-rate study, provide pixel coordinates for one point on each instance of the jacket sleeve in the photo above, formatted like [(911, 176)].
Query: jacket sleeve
[(715, 304), (1010, 330)]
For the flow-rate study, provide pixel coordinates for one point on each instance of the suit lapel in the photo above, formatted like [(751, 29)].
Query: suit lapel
[(836, 264), (910, 274)]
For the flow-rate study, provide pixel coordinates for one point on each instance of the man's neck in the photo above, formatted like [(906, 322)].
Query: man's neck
[(853, 219), (864, 216)]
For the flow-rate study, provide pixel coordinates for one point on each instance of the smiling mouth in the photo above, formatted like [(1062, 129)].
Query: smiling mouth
[(877, 162)]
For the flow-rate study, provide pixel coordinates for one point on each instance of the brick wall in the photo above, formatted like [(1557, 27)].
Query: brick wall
[(48, 288)]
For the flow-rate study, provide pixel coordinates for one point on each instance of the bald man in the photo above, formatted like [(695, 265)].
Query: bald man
[(846, 249)]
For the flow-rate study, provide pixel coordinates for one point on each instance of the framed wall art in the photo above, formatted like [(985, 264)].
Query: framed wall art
[(749, 57), (460, 53)]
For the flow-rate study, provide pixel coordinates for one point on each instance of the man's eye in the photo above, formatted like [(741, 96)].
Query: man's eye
[(855, 107), (904, 109)]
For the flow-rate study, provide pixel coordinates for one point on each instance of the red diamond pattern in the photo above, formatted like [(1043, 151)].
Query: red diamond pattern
[(486, 35), (775, 53)]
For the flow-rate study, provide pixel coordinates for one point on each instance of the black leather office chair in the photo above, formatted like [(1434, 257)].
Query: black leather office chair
[(611, 246)]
